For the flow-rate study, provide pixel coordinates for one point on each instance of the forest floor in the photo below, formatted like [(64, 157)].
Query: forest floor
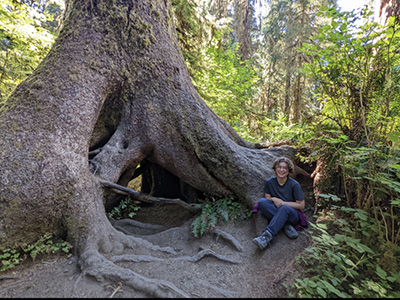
[(243, 272)]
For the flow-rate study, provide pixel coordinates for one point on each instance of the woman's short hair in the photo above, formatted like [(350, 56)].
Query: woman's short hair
[(286, 160)]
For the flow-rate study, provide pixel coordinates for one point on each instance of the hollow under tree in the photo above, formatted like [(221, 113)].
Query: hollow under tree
[(114, 82)]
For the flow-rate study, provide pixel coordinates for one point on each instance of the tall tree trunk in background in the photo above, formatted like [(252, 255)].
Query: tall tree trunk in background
[(112, 54), (299, 86), (389, 8), (243, 29), (287, 95), (296, 100)]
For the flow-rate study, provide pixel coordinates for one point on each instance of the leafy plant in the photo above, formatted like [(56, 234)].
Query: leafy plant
[(47, 244), (9, 258), (344, 261), (126, 207), (213, 211), (227, 85), (357, 139), (27, 31)]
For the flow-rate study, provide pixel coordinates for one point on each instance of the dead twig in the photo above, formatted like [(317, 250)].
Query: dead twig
[(117, 289)]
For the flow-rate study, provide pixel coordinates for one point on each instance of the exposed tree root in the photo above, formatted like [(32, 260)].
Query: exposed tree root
[(149, 199), (298, 170), (132, 242), (94, 264), (224, 292), (135, 258), (111, 266), (99, 267), (76, 285), (195, 258), (226, 236), (9, 277), (131, 227), (204, 253)]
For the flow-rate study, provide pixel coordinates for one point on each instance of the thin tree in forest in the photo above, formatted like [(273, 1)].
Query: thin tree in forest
[(286, 27)]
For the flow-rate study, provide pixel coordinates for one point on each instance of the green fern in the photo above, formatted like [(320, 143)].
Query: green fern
[(225, 209), (126, 207)]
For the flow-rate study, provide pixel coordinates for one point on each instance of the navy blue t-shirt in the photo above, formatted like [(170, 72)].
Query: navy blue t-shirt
[(289, 192)]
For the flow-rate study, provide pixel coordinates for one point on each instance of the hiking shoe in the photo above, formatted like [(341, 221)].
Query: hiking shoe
[(290, 231), (263, 240)]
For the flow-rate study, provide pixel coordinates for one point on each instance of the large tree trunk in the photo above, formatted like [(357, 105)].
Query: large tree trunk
[(114, 81)]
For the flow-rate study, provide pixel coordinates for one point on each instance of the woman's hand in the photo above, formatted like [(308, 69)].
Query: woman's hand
[(277, 201)]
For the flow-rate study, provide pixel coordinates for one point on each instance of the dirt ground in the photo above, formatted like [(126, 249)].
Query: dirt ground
[(232, 266), (243, 270)]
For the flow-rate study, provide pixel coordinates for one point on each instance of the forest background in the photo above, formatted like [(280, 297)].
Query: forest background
[(303, 72)]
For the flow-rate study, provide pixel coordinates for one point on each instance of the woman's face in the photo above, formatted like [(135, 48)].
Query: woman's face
[(282, 170)]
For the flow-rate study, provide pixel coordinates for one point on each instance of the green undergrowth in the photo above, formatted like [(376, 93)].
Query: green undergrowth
[(9, 258), (214, 211), (125, 209), (348, 258)]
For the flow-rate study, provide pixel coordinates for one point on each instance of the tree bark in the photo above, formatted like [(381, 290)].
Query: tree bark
[(114, 81)]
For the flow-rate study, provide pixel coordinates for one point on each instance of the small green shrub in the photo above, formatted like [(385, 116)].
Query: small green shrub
[(212, 211), (125, 208), (9, 258), (47, 244)]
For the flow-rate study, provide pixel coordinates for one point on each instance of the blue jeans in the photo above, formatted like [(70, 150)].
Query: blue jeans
[(277, 216)]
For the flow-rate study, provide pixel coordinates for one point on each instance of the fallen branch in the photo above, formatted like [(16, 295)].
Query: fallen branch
[(149, 199)]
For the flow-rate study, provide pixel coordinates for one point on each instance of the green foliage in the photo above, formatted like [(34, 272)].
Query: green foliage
[(190, 29), (125, 208), (344, 261), (277, 128), (227, 85), (366, 177), (9, 258), (356, 74), (369, 180), (26, 35), (284, 88), (356, 135), (213, 211)]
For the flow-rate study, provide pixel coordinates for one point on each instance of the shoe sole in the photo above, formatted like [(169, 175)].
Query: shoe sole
[(292, 237), (259, 246)]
